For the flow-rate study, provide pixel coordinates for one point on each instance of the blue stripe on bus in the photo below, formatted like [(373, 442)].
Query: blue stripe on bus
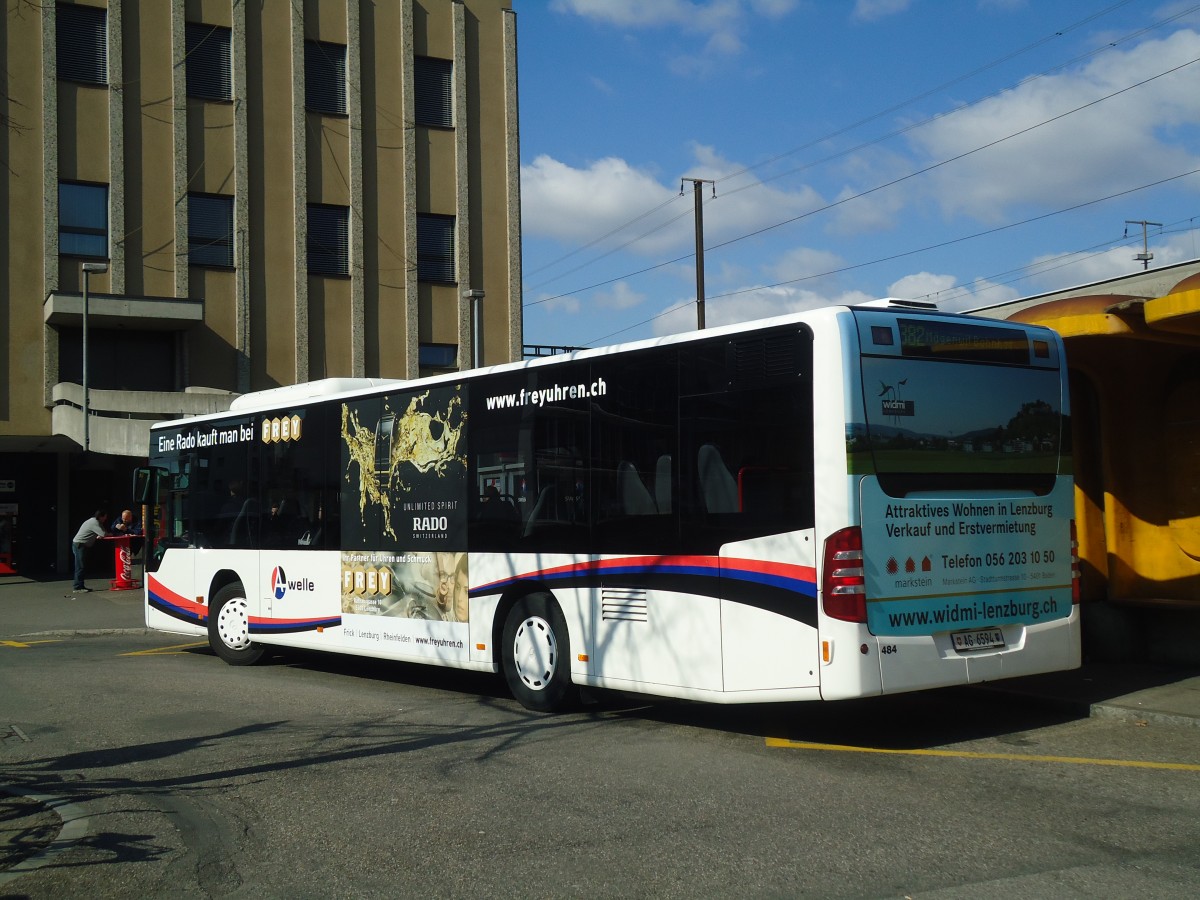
[(259, 625), (767, 586)]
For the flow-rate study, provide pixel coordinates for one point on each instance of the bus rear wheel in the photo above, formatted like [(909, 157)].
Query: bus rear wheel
[(536, 655), (229, 627)]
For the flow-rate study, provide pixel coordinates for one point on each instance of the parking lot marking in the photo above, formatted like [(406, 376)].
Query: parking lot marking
[(168, 651), (24, 644), (968, 754)]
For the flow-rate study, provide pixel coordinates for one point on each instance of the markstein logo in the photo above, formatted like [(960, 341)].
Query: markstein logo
[(366, 581), (279, 430)]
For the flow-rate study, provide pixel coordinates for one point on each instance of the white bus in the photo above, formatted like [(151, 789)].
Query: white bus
[(832, 504)]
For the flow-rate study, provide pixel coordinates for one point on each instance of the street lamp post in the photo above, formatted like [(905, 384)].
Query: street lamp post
[(476, 297), (89, 268)]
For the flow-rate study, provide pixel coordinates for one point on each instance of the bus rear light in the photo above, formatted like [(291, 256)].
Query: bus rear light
[(844, 584), (1076, 572), (826, 652)]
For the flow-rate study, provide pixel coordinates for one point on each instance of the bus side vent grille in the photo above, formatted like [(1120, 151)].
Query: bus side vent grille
[(623, 605), (773, 356)]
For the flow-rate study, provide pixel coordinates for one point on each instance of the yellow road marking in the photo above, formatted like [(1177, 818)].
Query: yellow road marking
[(967, 754), (167, 651), (24, 644)]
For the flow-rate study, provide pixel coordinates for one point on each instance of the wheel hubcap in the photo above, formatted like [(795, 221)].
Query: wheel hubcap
[(535, 653), (233, 624)]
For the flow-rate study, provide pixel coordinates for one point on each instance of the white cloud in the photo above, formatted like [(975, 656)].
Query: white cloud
[(620, 296), (1058, 272), (579, 206), (804, 262), (630, 13), (700, 16), (721, 23), (921, 286), (948, 294), (601, 85), (978, 293), (873, 10), (1081, 156), (757, 303), (551, 303)]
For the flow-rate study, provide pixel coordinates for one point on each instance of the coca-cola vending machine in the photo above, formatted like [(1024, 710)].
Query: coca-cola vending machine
[(8, 538)]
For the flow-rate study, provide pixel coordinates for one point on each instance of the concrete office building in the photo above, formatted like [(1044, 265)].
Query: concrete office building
[(251, 195)]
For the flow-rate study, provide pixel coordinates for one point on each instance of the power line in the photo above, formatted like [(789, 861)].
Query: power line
[(900, 255), (930, 92), (959, 156), (874, 189), (963, 238), (935, 90), (1051, 264)]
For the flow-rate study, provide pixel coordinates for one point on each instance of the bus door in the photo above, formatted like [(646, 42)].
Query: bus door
[(746, 481)]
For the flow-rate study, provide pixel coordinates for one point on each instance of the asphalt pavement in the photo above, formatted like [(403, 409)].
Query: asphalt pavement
[(1160, 694), (31, 609)]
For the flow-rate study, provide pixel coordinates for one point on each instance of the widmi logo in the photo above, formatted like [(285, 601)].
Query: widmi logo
[(280, 585), (281, 429)]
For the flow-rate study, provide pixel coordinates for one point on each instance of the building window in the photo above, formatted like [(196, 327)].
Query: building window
[(83, 220), (435, 249), (438, 356), (328, 239), (433, 91), (210, 230), (82, 43), (325, 77), (209, 69)]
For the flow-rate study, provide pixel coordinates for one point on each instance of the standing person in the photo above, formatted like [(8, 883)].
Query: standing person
[(86, 537)]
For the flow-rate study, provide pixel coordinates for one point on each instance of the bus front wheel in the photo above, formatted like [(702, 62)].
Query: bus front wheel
[(536, 655), (229, 627)]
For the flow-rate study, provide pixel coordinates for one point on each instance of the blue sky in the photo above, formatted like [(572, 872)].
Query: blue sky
[(965, 151)]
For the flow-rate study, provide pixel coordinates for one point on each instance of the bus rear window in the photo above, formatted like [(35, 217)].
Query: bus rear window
[(933, 424)]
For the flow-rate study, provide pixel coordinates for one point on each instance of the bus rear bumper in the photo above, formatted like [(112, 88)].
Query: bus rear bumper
[(920, 662)]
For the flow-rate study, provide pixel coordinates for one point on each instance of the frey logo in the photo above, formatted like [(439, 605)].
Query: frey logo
[(280, 584)]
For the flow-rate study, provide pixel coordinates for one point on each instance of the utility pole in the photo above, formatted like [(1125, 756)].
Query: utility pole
[(696, 182), (1145, 256)]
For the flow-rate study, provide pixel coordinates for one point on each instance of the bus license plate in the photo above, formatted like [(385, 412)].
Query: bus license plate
[(978, 640)]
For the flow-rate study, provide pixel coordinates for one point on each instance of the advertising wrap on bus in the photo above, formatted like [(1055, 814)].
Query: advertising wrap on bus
[(966, 518), (831, 504), (960, 564)]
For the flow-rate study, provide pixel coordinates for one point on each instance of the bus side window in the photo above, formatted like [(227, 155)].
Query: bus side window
[(746, 446), (634, 440)]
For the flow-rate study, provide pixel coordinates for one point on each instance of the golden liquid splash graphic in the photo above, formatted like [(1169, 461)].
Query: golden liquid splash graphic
[(410, 442)]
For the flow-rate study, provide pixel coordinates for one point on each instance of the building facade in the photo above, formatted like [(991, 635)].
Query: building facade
[(248, 195)]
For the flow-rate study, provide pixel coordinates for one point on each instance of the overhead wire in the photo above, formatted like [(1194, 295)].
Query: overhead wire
[(895, 256), (760, 182), (876, 188), (935, 90), (930, 92)]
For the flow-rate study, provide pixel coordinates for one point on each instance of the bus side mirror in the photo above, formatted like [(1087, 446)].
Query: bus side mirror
[(145, 485)]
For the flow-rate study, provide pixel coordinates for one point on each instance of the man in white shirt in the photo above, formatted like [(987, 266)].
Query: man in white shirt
[(86, 537)]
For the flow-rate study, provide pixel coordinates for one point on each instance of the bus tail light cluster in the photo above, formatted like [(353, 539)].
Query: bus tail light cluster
[(844, 584), (1076, 572)]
